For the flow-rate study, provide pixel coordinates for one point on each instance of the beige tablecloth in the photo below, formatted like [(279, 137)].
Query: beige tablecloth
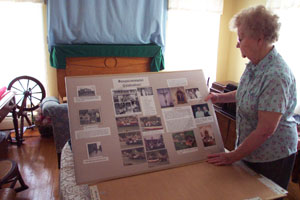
[(68, 188)]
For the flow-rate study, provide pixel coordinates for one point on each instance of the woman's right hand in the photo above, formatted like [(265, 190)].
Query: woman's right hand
[(214, 97)]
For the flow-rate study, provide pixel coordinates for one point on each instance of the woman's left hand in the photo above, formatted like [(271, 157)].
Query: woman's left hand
[(222, 158)]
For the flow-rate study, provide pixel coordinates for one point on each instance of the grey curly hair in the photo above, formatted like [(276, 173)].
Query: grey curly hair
[(257, 21)]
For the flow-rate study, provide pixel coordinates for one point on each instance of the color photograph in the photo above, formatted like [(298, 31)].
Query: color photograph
[(133, 156), (154, 142), (157, 158), (130, 139), (207, 136), (184, 140), (165, 98), (178, 95), (201, 110), (151, 123), (127, 124)]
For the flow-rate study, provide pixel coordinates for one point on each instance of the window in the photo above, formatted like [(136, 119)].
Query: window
[(22, 42), (289, 41), (192, 36), (192, 41)]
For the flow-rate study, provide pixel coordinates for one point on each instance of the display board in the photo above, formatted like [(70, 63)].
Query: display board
[(129, 124)]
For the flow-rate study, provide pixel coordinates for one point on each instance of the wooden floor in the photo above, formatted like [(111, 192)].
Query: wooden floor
[(38, 166)]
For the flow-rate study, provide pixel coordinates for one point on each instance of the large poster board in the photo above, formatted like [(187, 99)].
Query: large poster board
[(129, 124)]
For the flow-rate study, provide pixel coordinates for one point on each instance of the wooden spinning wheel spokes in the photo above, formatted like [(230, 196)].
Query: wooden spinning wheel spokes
[(29, 92)]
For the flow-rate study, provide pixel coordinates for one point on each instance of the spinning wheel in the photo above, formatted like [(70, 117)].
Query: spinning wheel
[(29, 93)]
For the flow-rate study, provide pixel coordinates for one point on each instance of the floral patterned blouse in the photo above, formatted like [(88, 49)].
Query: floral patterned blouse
[(268, 86)]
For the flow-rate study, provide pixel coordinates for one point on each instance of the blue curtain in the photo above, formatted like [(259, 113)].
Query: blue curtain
[(106, 22)]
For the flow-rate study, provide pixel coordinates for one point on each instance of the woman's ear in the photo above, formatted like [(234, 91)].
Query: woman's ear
[(261, 40)]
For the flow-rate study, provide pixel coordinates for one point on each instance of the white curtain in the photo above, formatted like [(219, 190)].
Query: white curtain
[(32, 1), (192, 35), (289, 40), (282, 4), (22, 42), (197, 5)]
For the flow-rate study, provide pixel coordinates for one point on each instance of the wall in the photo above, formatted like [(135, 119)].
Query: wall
[(230, 64), (51, 89)]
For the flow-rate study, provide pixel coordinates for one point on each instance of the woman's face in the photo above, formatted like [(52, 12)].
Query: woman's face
[(247, 45)]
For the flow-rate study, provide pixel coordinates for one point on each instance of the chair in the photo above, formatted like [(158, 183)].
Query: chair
[(60, 122), (9, 174)]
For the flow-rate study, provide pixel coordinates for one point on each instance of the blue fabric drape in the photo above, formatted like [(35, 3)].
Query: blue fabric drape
[(106, 22)]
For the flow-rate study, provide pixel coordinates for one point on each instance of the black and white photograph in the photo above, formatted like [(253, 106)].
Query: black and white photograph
[(165, 98), (130, 139), (193, 93), (126, 102), (154, 142), (184, 140), (178, 95), (127, 124), (207, 136), (133, 156), (86, 91), (201, 110), (151, 123), (157, 158), (89, 116), (94, 149), (145, 91)]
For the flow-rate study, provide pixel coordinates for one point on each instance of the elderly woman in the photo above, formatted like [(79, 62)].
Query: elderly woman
[(265, 100)]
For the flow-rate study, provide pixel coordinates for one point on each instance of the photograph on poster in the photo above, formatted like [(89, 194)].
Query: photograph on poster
[(127, 124), (154, 142), (201, 110), (165, 98), (126, 102), (178, 95), (133, 156), (207, 136), (94, 149), (184, 140), (193, 94), (157, 158), (89, 116), (88, 90), (145, 91), (130, 139), (151, 123)]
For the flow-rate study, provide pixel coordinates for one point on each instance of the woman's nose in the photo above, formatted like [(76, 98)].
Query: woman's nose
[(237, 45)]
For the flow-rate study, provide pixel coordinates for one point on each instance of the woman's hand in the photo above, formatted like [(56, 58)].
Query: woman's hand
[(222, 158), (213, 97), (227, 97)]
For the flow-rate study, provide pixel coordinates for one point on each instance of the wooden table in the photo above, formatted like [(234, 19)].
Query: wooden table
[(195, 181), (7, 105)]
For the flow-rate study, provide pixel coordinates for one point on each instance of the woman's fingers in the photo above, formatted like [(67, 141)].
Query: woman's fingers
[(208, 97), (219, 159), (211, 96)]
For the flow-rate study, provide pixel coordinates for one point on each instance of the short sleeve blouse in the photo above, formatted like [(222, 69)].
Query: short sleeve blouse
[(268, 86)]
